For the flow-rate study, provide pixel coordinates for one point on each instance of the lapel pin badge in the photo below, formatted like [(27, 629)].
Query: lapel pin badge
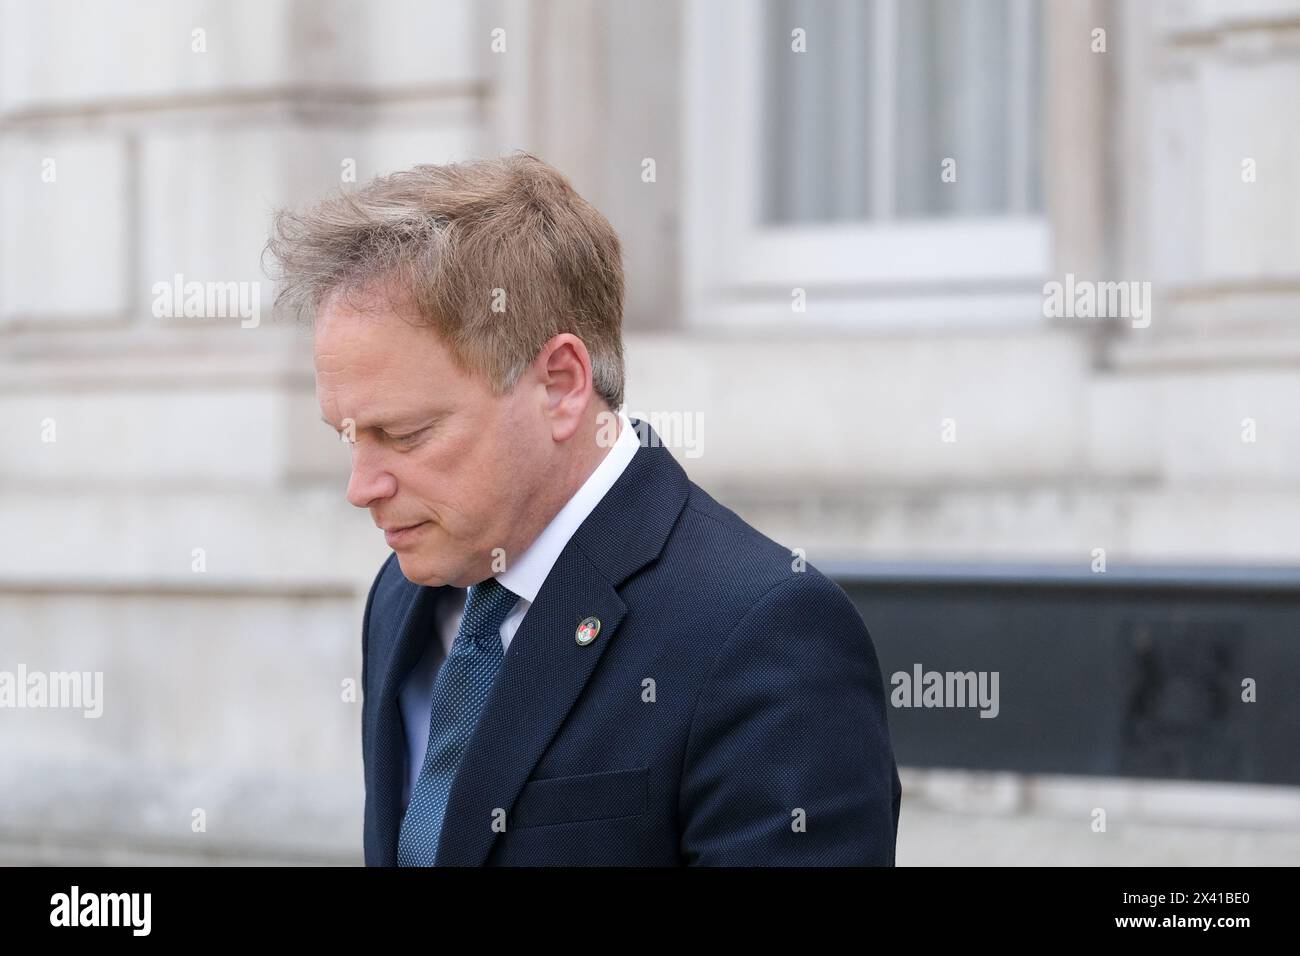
[(587, 631)]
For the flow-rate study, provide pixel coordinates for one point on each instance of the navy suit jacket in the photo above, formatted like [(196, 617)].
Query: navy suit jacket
[(729, 711)]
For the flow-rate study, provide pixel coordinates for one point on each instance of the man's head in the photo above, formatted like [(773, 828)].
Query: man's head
[(468, 336)]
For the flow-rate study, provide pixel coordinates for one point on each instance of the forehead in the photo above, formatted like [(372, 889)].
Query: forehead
[(366, 356), (363, 327)]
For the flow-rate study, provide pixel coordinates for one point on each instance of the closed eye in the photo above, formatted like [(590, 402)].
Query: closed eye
[(407, 439)]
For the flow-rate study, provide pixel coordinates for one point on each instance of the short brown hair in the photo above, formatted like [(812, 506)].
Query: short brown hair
[(459, 238)]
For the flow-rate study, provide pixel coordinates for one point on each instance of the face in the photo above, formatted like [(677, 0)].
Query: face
[(449, 471)]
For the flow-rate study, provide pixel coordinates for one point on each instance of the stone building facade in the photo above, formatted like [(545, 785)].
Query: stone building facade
[(171, 508)]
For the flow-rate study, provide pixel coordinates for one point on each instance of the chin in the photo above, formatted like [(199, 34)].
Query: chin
[(419, 571)]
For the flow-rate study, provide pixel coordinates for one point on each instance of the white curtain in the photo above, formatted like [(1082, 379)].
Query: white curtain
[(858, 127)]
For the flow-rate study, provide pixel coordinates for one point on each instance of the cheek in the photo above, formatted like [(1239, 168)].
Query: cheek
[(490, 489), (421, 484), (473, 472), (458, 484)]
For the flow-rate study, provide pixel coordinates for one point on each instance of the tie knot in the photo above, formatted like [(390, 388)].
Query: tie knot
[(487, 606)]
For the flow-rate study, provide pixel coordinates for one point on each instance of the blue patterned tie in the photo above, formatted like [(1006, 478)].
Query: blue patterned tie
[(458, 695)]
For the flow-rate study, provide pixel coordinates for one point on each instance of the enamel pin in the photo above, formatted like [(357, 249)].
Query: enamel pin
[(587, 631)]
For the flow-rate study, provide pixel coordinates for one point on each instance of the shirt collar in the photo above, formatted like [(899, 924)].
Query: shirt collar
[(525, 575)]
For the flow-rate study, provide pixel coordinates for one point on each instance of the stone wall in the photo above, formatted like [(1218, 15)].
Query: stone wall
[(185, 530)]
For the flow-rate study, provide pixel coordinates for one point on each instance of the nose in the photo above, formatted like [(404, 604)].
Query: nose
[(370, 481)]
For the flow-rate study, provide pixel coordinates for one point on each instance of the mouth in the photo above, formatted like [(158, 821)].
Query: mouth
[(398, 536)]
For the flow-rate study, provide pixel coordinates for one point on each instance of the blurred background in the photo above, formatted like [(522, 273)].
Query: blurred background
[(842, 220)]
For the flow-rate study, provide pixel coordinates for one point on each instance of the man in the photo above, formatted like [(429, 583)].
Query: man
[(574, 655)]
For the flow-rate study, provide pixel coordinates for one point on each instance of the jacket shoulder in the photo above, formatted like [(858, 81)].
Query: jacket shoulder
[(742, 563)]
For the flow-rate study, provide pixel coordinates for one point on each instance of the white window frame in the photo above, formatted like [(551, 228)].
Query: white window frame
[(741, 273)]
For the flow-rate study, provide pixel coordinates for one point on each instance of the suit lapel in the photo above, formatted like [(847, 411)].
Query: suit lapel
[(396, 659), (540, 679)]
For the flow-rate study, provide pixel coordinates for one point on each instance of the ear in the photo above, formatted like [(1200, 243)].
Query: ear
[(564, 367)]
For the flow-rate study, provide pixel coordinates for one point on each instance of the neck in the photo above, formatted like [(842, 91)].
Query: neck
[(583, 454)]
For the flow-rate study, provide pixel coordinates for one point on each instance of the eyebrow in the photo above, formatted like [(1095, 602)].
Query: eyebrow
[(382, 424)]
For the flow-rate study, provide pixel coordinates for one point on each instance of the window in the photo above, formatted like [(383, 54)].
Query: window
[(892, 170)]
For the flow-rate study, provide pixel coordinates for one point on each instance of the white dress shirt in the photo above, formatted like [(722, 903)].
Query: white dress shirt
[(524, 577)]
